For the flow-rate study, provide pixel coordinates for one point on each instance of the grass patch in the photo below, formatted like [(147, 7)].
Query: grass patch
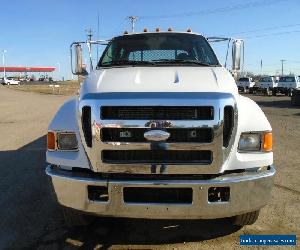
[(65, 88)]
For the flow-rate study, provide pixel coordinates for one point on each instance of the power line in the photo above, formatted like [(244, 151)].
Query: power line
[(264, 29), (273, 34), (252, 4)]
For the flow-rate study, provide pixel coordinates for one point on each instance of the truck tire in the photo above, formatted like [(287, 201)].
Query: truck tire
[(295, 100), (74, 218), (246, 219)]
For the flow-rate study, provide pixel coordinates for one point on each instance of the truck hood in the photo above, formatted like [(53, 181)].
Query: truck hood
[(160, 79)]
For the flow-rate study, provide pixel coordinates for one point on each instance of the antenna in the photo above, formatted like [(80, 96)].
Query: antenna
[(98, 24), (133, 20)]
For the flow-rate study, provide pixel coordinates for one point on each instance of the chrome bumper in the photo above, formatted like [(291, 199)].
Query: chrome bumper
[(249, 191)]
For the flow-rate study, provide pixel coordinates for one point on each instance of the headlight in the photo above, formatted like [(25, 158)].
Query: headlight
[(255, 141), (67, 141), (61, 141), (250, 142)]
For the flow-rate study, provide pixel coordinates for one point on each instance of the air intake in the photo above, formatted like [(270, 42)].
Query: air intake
[(157, 113), (157, 156), (228, 125), (86, 125)]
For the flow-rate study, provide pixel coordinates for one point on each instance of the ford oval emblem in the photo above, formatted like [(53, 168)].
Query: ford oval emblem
[(156, 135)]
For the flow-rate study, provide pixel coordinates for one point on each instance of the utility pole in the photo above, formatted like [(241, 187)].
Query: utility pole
[(3, 61), (58, 64), (282, 66), (133, 20), (89, 34)]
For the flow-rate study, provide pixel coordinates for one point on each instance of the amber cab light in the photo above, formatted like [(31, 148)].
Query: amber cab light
[(51, 141), (268, 142)]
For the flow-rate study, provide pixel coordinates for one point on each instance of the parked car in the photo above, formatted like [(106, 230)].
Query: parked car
[(245, 84), (286, 84), (10, 81)]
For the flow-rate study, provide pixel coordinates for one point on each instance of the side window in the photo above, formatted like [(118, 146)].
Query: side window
[(108, 57)]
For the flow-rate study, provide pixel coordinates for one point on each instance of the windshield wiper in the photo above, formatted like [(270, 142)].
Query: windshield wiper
[(126, 62), (184, 61)]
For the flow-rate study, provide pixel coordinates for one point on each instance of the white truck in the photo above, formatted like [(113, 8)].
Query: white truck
[(10, 81), (245, 84), (286, 85), (267, 84), (159, 130)]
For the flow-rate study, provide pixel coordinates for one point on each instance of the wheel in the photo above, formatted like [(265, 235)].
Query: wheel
[(268, 92), (74, 218), (295, 100), (246, 219)]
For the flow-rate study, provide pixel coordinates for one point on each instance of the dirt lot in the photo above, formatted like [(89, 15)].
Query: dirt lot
[(31, 219)]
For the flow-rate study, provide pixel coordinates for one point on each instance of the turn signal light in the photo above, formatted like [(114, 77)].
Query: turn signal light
[(268, 142), (51, 141)]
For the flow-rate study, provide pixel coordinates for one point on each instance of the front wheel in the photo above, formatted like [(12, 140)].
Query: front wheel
[(246, 219)]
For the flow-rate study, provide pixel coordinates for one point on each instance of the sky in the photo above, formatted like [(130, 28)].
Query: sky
[(39, 33)]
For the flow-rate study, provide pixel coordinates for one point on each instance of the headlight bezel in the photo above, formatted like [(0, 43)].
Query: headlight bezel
[(57, 137), (265, 142)]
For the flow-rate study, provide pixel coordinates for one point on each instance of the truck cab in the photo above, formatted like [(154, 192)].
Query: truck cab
[(245, 84), (159, 130), (286, 84), (267, 84)]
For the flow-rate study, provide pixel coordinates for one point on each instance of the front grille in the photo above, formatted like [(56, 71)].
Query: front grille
[(157, 195), (157, 156), (198, 135), (228, 125), (157, 113)]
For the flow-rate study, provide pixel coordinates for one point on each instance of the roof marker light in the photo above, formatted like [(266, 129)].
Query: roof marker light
[(125, 32), (170, 29), (145, 30), (157, 29), (189, 30)]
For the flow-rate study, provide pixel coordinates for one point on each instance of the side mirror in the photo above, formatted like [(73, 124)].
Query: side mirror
[(78, 60), (237, 48)]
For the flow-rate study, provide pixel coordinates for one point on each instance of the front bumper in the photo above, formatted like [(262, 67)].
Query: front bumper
[(249, 191)]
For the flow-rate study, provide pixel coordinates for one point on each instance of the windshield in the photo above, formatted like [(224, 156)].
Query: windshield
[(287, 79), (244, 79), (266, 79), (157, 49)]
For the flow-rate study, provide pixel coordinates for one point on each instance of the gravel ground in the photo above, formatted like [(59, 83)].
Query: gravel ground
[(31, 219)]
